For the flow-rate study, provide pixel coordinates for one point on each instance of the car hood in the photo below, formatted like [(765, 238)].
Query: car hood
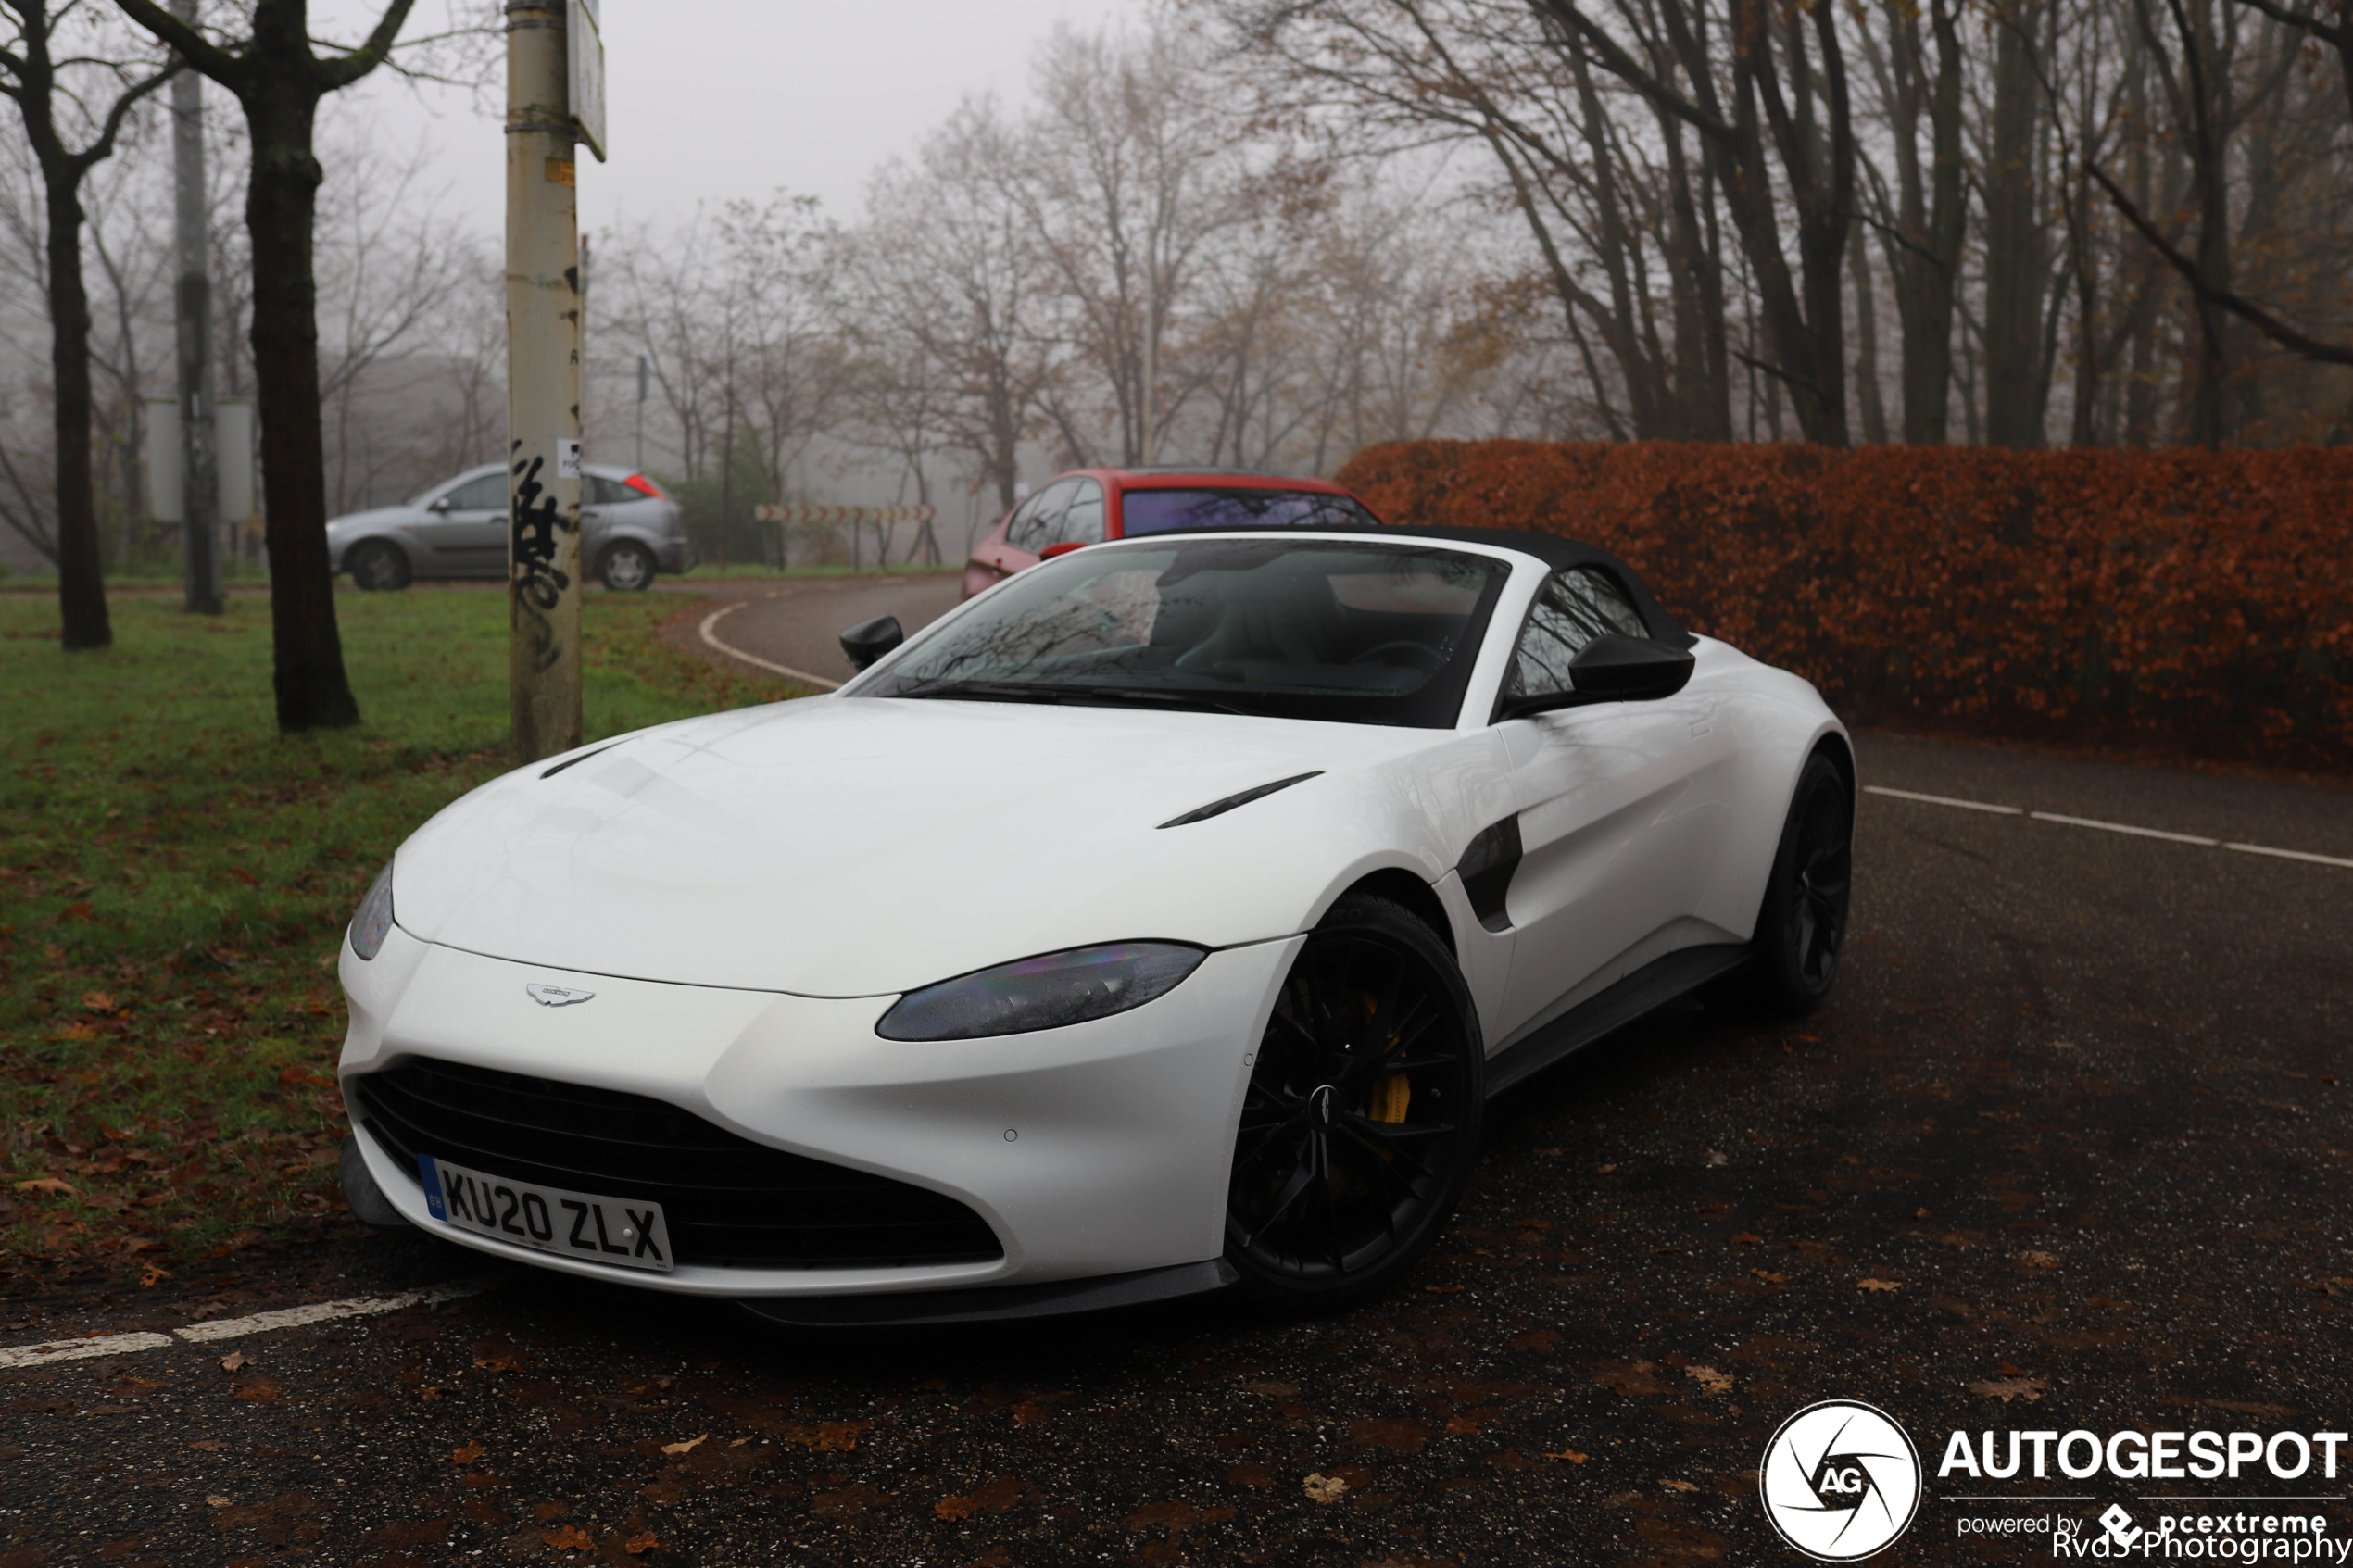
[(380, 517), (858, 847)]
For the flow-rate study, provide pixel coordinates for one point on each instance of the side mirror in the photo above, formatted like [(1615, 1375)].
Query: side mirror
[(1616, 669), (440, 504), (1610, 669), (869, 640)]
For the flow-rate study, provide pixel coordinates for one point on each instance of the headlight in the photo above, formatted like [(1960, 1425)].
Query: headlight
[(1041, 993), (369, 926)]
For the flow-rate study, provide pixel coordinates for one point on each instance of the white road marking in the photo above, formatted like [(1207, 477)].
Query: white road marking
[(2119, 827), (80, 1350), (56, 1350), (786, 671), (1946, 800), (320, 1311), (2292, 855), (2112, 827)]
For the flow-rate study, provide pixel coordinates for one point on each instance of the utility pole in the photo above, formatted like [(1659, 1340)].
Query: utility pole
[(644, 366), (199, 445), (542, 384)]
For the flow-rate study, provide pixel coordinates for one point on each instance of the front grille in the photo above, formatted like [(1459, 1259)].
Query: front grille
[(730, 1202)]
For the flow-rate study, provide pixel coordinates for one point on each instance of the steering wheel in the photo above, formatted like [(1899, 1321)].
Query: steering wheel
[(1415, 656)]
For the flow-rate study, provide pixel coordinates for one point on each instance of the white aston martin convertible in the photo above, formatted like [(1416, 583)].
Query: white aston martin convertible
[(1157, 922)]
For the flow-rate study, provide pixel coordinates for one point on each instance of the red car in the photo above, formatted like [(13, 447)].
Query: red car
[(1089, 506)]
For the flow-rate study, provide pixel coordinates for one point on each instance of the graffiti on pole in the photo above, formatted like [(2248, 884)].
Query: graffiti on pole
[(538, 582)]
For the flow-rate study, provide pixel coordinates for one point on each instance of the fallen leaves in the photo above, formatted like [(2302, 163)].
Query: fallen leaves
[(467, 1454), (832, 1436), (572, 1537), (48, 1185), (235, 1360), (1678, 1485), (689, 1446), (1325, 1488), (1877, 1285), (2008, 1388), (1628, 1377), (848, 1502), (1569, 1454), (1748, 1238), (2039, 1260), (1708, 1378), (1770, 1277), (637, 1546), (216, 1501)]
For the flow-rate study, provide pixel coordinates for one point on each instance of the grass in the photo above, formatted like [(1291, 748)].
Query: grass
[(166, 575), (174, 880)]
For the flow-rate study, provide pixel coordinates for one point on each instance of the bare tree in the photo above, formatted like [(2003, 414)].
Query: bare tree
[(59, 96), (277, 77), (944, 276)]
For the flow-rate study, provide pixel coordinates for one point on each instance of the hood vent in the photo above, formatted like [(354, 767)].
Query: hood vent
[(1219, 808), (576, 761)]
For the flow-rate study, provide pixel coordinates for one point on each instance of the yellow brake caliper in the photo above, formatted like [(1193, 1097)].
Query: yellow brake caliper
[(1391, 1095)]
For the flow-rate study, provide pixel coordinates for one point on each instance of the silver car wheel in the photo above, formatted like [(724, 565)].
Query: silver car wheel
[(626, 569)]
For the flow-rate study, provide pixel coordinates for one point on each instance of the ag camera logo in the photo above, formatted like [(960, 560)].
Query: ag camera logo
[(1841, 1480)]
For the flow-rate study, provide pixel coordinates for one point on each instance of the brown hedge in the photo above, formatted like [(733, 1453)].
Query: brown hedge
[(2181, 600)]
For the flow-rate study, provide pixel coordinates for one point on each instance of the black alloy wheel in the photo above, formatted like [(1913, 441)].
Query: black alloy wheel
[(626, 568), (375, 565), (1801, 931), (1362, 1116)]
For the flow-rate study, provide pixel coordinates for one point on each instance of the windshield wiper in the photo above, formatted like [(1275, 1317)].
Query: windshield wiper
[(1104, 697)]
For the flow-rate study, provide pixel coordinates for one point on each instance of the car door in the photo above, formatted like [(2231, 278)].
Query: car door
[(1621, 808), (464, 529), (600, 500)]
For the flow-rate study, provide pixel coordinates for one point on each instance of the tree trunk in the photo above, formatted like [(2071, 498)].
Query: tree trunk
[(82, 589), (1867, 387), (2015, 264), (281, 200)]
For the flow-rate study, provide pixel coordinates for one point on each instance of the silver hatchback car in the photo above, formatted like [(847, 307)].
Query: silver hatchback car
[(629, 530)]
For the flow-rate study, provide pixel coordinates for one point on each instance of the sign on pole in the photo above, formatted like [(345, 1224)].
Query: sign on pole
[(584, 47)]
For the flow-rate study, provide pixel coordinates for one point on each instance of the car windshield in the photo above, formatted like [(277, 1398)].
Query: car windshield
[(1356, 632), (1157, 511)]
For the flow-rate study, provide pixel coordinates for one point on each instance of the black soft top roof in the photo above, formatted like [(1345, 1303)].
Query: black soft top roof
[(1555, 551)]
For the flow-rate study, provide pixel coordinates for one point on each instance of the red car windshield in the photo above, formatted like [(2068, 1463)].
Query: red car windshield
[(1157, 511)]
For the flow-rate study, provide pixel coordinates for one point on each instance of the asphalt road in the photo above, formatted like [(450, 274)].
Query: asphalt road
[(797, 625), (2079, 1100)]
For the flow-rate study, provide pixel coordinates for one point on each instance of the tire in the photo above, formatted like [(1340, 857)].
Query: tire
[(1340, 1181), (1801, 928), (365, 1198), (626, 568), (377, 566)]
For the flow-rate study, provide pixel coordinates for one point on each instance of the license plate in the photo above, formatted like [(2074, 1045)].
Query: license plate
[(621, 1231)]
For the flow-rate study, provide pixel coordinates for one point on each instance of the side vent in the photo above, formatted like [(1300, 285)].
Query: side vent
[(1219, 808), (576, 761), (1486, 868)]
